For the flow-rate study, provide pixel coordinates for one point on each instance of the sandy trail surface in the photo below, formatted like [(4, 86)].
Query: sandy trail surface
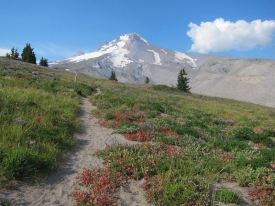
[(55, 189)]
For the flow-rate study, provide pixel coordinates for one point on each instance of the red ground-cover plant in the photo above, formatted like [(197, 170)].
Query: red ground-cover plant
[(265, 196), (172, 150), (226, 158), (140, 135), (39, 118), (166, 131), (130, 114), (257, 130), (260, 145), (101, 184), (152, 186), (102, 123)]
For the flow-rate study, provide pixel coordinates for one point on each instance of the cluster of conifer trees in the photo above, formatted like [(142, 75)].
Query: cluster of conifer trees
[(27, 55)]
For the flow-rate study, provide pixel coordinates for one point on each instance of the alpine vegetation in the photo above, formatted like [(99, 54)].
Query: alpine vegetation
[(188, 143)]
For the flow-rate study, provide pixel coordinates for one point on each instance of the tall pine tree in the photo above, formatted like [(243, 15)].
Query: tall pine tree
[(113, 76), (28, 55), (183, 81)]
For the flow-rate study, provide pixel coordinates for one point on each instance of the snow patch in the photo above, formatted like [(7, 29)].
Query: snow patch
[(86, 56), (144, 40), (156, 55), (115, 48), (181, 56), (124, 37), (55, 62), (163, 51), (118, 58)]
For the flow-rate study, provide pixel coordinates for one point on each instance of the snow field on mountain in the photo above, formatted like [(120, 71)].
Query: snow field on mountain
[(181, 56), (114, 48), (163, 51), (156, 55)]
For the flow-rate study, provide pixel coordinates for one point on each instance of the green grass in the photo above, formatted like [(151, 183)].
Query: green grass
[(38, 118), (227, 196)]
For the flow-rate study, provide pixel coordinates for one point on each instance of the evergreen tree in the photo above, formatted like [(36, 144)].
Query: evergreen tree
[(14, 54), (147, 80), (183, 81), (28, 54), (43, 62), (113, 76)]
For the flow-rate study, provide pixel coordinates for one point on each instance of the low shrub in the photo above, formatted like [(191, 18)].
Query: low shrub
[(232, 144), (268, 154), (163, 87), (187, 131), (243, 133), (83, 89)]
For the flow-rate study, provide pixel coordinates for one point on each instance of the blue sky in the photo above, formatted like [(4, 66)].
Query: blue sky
[(58, 28)]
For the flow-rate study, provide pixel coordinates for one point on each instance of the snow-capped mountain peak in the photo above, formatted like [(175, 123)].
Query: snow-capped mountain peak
[(113, 50), (126, 53)]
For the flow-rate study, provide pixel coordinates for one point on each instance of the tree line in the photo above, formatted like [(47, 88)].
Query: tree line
[(27, 55), (182, 85)]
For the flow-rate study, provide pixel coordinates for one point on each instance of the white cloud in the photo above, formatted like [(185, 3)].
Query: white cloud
[(4, 51), (221, 35)]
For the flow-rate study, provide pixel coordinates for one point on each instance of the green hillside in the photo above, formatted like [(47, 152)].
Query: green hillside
[(38, 110), (188, 141)]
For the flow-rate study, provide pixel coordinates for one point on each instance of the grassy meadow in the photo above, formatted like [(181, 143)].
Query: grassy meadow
[(38, 119), (188, 142)]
